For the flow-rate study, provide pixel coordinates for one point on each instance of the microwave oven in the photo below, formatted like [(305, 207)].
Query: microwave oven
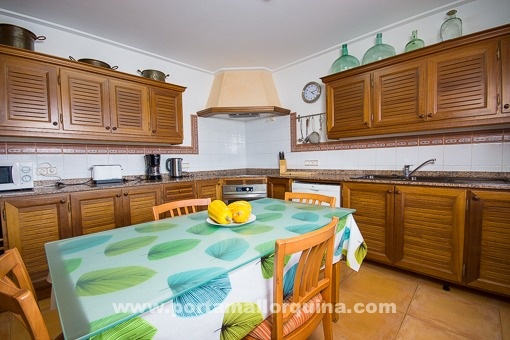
[(16, 175)]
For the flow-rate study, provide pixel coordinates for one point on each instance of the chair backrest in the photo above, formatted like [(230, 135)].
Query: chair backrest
[(17, 294), (179, 208), (310, 198), (316, 249)]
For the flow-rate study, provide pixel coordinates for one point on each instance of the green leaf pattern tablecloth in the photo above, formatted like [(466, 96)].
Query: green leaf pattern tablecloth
[(184, 277)]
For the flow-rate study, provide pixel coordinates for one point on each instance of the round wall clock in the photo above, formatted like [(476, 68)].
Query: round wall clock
[(311, 92)]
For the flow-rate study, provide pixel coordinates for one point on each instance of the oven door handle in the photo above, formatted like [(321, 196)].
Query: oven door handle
[(246, 196)]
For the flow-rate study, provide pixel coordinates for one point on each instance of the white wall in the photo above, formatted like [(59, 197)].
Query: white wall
[(231, 144)]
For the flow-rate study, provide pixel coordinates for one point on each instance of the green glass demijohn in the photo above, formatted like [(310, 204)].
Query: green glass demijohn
[(415, 43), (345, 61), (452, 27), (378, 51)]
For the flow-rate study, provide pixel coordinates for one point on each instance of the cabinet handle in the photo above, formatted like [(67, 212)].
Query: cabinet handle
[(389, 191), (476, 198), (397, 192), (62, 201), (55, 123), (366, 123), (422, 116), (153, 131), (107, 127), (125, 194), (506, 106), (114, 128), (430, 115), (118, 195)]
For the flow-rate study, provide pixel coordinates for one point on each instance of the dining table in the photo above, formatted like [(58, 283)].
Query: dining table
[(186, 276)]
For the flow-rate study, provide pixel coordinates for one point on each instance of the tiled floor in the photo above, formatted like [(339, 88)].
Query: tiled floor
[(423, 310)]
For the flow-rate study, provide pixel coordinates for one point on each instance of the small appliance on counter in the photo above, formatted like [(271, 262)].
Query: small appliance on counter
[(152, 162), (174, 167), (16, 175), (102, 174)]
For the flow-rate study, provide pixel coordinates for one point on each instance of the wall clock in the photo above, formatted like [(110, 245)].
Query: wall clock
[(311, 92)]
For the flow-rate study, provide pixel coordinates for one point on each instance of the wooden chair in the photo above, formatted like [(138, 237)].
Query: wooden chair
[(179, 208), (311, 287), (17, 295), (310, 198)]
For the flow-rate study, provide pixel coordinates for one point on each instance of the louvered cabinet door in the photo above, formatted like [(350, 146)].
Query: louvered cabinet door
[(348, 106), (95, 211), (138, 203), (464, 82), (399, 95), (85, 101), (208, 188), (129, 108), (30, 223), (166, 115), (178, 191), (28, 94), (505, 71), (374, 216), (429, 230), (488, 260)]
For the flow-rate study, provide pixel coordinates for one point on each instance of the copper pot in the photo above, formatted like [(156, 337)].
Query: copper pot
[(18, 37), (153, 74), (95, 62)]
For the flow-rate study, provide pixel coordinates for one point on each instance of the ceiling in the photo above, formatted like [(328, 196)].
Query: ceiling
[(220, 34)]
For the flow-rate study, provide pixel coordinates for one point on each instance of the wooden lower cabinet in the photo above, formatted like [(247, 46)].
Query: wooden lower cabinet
[(29, 223), (178, 191), (208, 188), (412, 227), (488, 241), (276, 187), (100, 210)]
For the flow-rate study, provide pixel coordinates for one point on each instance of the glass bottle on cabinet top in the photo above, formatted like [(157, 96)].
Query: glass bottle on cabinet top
[(415, 43), (378, 51), (452, 27), (345, 61)]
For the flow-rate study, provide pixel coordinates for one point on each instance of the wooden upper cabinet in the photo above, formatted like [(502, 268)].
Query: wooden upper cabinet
[(399, 94), (348, 105), (28, 94), (129, 108), (166, 115), (464, 82)]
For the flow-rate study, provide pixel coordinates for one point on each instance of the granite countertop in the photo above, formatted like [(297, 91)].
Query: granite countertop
[(478, 180)]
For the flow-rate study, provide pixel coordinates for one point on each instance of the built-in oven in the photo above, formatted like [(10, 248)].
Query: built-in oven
[(247, 189)]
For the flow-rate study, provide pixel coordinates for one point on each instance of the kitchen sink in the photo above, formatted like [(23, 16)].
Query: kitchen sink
[(435, 179)]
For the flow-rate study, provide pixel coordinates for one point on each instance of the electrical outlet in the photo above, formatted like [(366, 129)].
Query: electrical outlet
[(307, 163), (315, 162), (42, 171), (185, 165), (52, 170)]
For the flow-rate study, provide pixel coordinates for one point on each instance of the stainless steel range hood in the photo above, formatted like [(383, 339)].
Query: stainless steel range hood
[(243, 94)]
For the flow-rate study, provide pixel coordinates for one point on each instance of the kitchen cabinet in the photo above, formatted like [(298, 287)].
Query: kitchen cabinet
[(208, 188), (30, 222), (29, 95), (488, 241), (100, 104), (505, 69), (100, 210), (49, 97), (456, 83), (412, 227), (276, 187), (178, 191)]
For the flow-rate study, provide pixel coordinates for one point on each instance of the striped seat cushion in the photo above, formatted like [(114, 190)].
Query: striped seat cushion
[(263, 330)]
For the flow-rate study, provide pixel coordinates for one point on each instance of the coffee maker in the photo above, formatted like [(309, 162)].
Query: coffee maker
[(152, 162)]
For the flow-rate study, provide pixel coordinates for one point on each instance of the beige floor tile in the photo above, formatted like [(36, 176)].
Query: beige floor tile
[(416, 329), (380, 287), (456, 313), (504, 314)]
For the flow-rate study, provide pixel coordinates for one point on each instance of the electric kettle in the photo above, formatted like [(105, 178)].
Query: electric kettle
[(174, 167)]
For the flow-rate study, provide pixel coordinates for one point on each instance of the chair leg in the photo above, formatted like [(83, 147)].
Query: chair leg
[(327, 326)]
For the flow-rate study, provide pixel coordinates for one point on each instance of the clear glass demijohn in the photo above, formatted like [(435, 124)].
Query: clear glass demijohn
[(345, 61), (378, 51), (415, 43), (452, 27)]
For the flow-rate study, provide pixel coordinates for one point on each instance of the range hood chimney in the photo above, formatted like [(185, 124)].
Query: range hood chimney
[(243, 94)]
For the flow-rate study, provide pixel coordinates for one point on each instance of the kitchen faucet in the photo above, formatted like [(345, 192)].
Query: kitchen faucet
[(408, 173)]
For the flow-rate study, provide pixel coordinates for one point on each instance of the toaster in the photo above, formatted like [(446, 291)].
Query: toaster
[(107, 173)]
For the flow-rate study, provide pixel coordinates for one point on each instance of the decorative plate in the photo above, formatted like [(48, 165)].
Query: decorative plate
[(232, 225)]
